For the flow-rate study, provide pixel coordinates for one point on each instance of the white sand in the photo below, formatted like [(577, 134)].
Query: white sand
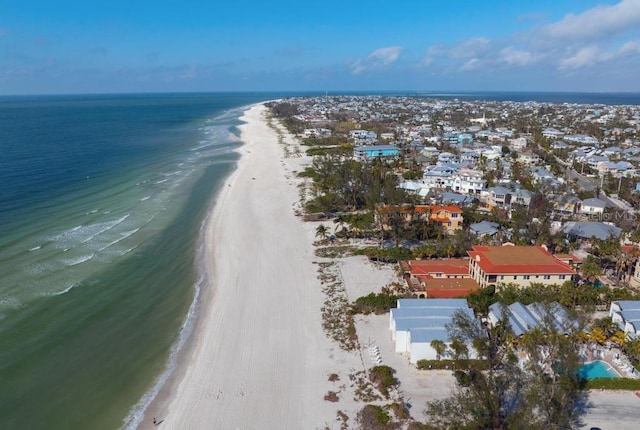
[(260, 359)]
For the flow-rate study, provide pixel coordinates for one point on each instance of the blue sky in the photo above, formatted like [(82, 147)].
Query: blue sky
[(72, 46)]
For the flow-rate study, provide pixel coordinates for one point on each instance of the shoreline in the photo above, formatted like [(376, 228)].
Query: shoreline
[(255, 313), (178, 364)]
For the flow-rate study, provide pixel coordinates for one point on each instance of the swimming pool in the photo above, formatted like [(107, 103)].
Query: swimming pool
[(597, 369)]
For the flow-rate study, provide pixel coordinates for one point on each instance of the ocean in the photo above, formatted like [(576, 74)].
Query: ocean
[(102, 202)]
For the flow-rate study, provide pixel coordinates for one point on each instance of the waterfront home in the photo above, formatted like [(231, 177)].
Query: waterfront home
[(415, 323), (448, 217), (371, 152), (524, 318), (519, 265)]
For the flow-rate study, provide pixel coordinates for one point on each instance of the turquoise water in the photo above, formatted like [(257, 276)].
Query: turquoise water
[(103, 199), (597, 369)]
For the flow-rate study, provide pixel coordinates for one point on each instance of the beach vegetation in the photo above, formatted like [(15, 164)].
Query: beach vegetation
[(340, 150), (399, 411), (322, 232), (382, 377), (374, 417), (332, 396), (449, 364), (374, 303), (344, 420), (333, 251), (387, 255)]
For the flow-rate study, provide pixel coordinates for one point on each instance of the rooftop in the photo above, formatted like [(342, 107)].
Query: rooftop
[(516, 260), (446, 266), (449, 287)]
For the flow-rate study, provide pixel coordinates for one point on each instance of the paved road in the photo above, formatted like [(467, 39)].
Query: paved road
[(617, 410)]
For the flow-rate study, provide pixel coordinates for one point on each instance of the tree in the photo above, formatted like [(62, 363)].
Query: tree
[(322, 232), (590, 268), (542, 392), (439, 347)]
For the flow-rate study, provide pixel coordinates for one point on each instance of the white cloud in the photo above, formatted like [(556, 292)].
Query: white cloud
[(631, 47), (586, 56), (598, 22), (472, 64), (379, 58), (600, 35), (470, 48), (515, 57)]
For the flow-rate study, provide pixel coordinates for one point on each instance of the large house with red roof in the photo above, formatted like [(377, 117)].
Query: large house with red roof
[(520, 265), (439, 278), (449, 216)]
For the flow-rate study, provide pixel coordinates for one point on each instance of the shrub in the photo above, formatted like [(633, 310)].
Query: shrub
[(376, 303), (613, 384), (331, 396), (373, 417), (382, 378)]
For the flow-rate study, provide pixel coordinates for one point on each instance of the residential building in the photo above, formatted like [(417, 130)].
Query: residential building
[(445, 268), (440, 288), (484, 229), (585, 230), (522, 319), (626, 315), (592, 206), (566, 206), (468, 181), (415, 323), (520, 265), (448, 217), (528, 158), (498, 197), (438, 176), (518, 144), (370, 152)]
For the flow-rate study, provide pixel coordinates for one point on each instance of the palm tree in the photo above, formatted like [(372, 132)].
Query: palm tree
[(439, 346), (322, 232), (590, 269)]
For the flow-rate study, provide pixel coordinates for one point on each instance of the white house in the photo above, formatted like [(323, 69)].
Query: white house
[(518, 144), (626, 314), (417, 322), (468, 181), (592, 206)]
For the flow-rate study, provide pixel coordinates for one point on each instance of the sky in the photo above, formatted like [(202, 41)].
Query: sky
[(118, 46)]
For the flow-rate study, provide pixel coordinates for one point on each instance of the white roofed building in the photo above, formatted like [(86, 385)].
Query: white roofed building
[(415, 323)]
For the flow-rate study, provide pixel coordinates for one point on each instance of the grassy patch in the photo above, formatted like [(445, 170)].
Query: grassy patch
[(613, 384)]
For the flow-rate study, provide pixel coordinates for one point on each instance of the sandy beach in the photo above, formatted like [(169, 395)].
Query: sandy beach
[(260, 357)]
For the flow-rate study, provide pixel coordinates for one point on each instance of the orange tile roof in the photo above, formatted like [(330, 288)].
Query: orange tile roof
[(517, 260), (568, 257), (447, 266), (630, 249), (448, 288)]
